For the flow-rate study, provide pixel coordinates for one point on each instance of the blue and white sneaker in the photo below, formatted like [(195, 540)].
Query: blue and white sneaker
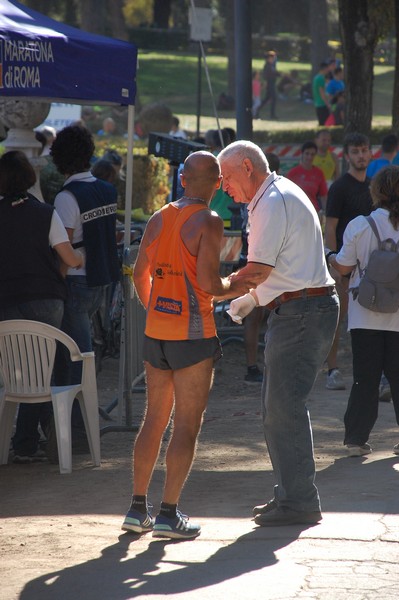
[(138, 522), (178, 528)]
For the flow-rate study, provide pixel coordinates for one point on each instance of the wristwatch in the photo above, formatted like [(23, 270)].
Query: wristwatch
[(329, 253)]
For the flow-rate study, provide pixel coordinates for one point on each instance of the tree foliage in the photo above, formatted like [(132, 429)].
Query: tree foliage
[(62, 10), (138, 12)]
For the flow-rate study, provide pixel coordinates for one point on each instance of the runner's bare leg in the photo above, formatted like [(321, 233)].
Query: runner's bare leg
[(192, 386), (148, 441)]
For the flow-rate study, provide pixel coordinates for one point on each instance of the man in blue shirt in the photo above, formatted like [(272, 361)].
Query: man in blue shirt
[(389, 148), (336, 84)]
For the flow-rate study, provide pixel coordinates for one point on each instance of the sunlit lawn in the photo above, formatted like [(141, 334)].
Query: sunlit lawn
[(173, 79)]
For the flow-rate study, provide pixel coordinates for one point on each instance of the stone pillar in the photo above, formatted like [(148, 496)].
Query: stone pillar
[(21, 117)]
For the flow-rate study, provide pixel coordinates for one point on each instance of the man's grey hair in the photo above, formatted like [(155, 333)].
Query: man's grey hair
[(242, 149)]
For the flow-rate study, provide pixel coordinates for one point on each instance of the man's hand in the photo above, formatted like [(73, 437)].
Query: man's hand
[(241, 307)]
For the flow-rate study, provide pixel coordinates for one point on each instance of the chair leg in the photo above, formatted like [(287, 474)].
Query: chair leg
[(7, 416), (89, 407), (62, 406)]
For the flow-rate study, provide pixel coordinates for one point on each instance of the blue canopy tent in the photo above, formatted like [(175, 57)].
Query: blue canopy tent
[(44, 60)]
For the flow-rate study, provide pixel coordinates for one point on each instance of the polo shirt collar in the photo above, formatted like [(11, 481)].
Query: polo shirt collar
[(267, 182)]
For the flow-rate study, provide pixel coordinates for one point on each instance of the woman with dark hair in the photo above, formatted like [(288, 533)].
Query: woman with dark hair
[(31, 285), (374, 335)]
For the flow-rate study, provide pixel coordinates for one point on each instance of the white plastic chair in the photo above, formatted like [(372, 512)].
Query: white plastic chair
[(27, 353)]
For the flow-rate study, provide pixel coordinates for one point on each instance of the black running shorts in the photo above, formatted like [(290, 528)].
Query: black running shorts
[(179, 354)]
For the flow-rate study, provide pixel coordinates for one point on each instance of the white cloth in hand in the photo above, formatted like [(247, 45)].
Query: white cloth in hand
[(241, 307)]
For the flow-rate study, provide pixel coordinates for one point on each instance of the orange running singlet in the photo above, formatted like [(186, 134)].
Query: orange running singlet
[(178, 309)]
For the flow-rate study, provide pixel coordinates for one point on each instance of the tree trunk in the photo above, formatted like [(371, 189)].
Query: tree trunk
[(318, 29), (359, 37), (71, 14), (395, 100), (117, 20), (92, 16), (161, 13)]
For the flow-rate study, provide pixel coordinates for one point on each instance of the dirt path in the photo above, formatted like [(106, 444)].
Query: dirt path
[(50, 522)]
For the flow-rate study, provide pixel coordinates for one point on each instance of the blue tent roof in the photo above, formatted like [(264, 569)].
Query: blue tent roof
[(42, 58)]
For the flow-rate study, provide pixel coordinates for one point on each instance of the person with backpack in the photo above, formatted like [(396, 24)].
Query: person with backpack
[(348, 197), (373, 315)]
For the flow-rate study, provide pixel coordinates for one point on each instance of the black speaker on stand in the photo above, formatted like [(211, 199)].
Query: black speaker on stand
[(174, 149)]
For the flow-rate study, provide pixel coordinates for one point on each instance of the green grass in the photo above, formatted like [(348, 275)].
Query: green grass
[(172, 79), (382, 93)]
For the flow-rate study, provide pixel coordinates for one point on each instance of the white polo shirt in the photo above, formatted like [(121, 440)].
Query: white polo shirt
[(359, 242), (285, 233)]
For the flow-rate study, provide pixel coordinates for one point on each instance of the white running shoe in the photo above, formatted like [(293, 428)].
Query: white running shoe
[(354, 450), (335, 381), (384, 392)]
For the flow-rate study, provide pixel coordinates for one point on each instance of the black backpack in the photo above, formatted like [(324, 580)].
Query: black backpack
[(378, 289)]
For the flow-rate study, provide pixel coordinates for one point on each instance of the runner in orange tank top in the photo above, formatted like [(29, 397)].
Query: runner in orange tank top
[(179, 309), (176, 276)]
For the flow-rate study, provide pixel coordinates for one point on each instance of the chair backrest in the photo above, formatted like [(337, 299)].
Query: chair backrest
[(27, 353)]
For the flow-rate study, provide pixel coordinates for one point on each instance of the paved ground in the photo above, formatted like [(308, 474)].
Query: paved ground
[(60, 536)]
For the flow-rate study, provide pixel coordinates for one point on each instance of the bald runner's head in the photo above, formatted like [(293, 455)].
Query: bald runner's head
[(201, 175)]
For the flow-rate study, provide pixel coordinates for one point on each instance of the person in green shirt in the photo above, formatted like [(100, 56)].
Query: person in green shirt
[(320, 98)]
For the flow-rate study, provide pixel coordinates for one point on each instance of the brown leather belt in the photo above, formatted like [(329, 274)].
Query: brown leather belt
[(305, 293)]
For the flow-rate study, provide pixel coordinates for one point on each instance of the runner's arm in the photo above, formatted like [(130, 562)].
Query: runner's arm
[(142, 277)]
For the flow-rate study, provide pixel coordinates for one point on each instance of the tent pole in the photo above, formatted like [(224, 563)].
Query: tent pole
[(129, 175), (125, 365), (126, 381)]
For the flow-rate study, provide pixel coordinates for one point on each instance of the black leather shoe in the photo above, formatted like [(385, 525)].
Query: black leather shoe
[(286, 516), (264, 508)]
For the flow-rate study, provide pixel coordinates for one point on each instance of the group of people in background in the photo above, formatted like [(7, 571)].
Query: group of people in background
[(328, 90), (268, 78)]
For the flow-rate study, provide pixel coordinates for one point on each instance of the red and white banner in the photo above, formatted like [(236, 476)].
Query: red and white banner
[(293, 151)]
